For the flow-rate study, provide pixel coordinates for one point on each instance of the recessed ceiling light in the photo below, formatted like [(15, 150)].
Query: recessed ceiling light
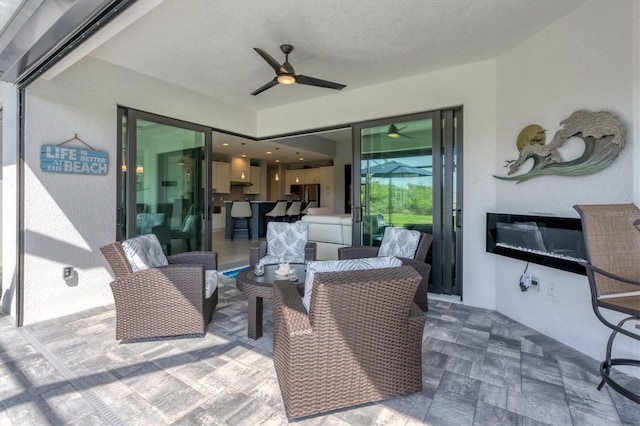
[(225, 144), (244, 155), (277, 161), (269, 152), (301, 158)]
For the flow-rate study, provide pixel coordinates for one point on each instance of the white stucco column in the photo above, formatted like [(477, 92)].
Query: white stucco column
[(634, 140), (10, 156)]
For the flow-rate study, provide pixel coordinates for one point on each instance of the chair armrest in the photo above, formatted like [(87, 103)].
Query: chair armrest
[(257, 250), (310, 251), (175, 276), (208, 259), (357, 252), (287, 302), (415, 312), (607, 274), (423, 269), (166, 286)]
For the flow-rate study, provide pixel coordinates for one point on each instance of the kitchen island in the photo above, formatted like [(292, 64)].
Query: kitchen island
[(258, 210)]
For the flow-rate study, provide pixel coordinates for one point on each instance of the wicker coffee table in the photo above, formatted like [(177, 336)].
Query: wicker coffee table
[(258, 288)]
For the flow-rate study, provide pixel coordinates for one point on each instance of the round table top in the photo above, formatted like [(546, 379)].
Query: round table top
[(247, 276)]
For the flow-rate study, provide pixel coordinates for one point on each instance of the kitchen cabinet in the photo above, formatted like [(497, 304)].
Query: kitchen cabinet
[(221, 177), (316, 175), (313, 175), (255, 181), (240, 170)]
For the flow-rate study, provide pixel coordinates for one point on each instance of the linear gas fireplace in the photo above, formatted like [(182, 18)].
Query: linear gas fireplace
[(556, 242)]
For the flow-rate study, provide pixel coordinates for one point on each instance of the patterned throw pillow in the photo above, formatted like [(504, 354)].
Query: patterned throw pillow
[(399, 242), (343, 265), (144, 252), (287, 239), (275, 260)]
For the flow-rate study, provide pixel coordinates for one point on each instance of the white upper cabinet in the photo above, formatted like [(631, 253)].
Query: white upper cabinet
[(240, 170), (313, 175), (221, 177), (255, 181)]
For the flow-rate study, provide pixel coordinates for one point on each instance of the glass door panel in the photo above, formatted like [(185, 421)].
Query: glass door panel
[(396, 178), (166, 182), (407, 169)]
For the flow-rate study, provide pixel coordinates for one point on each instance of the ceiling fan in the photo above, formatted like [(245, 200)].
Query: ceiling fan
[(285, 73), (394, 132)]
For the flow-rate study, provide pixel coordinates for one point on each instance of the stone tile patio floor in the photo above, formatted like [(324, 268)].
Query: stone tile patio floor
[(479, 368)]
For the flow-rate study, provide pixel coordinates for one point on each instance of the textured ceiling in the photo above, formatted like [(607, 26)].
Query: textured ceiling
[(207, 45)]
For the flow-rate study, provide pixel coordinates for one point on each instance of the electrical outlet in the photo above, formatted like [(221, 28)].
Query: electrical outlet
[(551, 289), (535, 281), (67, 272)]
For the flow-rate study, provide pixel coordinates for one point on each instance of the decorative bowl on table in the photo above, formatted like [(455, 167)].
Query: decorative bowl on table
[(284, 269)]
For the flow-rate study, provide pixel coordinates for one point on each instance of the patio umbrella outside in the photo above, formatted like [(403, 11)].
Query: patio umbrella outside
[(393, 169)]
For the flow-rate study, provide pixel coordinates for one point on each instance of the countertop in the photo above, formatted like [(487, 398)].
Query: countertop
[(254, 202)]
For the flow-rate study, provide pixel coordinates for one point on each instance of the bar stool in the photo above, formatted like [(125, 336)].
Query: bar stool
[(311, 203), (277, 213), (293, 212), (240, 210)]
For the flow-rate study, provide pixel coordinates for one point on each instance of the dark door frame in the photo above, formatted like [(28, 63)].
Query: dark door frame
[(129, 219)]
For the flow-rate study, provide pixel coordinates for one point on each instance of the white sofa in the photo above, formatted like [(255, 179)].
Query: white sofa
[(329, 232)]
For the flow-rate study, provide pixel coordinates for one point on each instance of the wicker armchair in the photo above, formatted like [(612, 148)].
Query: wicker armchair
[(613, 249), (287, 240), (164, 301), (361, 340), (418, 262)]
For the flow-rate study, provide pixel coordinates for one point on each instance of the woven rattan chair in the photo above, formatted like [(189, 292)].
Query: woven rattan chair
[(613, 249), (361, 340), (164, 301), (418, 262)]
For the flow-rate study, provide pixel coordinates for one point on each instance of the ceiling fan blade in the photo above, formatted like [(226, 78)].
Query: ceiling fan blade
[(406, 136), (274, 64), (311, 81), (269, 85), (287, 68)]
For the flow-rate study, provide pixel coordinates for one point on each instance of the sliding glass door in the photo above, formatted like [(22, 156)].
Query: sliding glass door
[(407, 169), (163, 183)]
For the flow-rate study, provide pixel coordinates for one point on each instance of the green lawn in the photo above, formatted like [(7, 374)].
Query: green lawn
[(401, 219)]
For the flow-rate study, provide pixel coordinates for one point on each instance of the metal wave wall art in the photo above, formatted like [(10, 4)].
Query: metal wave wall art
[(603, 134)]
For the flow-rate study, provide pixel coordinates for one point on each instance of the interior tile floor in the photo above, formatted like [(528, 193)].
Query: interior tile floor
[(479, 368), (231, 253)]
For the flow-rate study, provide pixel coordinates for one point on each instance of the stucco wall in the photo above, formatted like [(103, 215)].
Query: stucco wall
[(582, 61), (9, 95), (636, 100), (68, 217)]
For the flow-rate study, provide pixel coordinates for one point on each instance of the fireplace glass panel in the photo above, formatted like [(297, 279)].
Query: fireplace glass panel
[(551, 241)]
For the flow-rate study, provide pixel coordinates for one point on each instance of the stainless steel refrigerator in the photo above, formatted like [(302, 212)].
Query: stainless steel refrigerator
[(307, 193)]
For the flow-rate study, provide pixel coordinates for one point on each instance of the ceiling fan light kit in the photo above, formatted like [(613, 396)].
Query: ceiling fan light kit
[(286, 79), (394, 132), (285, 73)]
